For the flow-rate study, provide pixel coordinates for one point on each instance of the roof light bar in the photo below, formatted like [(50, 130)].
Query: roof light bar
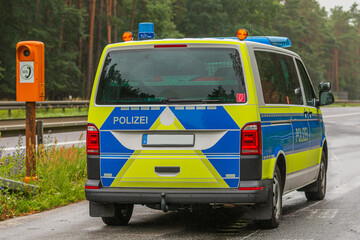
[(146, 31), (270, 40), (283, 42)]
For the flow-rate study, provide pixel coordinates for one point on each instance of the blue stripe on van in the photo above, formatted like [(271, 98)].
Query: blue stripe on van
[(110, 145), (226, 166), (132, 118), (228, 144), (106, 182), (217, 118), (276, 138), (233, 183)]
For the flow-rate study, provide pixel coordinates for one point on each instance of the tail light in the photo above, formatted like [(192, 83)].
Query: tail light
[(92, 140), (251, 139)]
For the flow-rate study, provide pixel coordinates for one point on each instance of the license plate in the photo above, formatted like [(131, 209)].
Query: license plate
[(168, 140)]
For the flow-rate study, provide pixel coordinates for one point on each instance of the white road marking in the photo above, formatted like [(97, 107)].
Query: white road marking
[(341, 115), (251, 234), (322, 213)]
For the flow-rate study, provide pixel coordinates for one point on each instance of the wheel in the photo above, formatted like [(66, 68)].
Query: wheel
[(276, 203), (123, 214), (320, 183)]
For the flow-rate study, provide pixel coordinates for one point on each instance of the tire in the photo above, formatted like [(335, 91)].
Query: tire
[(122, 216), (276, 203), (320, 183)]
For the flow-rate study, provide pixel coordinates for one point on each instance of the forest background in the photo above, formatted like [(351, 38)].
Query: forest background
[(76, 31)]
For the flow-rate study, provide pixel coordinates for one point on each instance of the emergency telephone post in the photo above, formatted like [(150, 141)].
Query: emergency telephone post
[(30, 88)]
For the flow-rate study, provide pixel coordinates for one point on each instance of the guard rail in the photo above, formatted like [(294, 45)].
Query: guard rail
[(12, 105)]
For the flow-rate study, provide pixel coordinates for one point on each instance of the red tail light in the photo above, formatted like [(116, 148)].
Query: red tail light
[(170, 46), (92, 140), (251, 139), (250, 188), (91, 187)]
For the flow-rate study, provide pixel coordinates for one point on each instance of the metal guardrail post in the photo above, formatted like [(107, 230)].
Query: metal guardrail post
[(40, 132)]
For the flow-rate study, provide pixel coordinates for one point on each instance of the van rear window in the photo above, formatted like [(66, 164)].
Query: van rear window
[(165, 75)]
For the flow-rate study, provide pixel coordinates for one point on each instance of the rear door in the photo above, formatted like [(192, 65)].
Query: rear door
[(172, 123)]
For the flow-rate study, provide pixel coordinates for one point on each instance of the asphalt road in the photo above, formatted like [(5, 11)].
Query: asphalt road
[(336, 217)]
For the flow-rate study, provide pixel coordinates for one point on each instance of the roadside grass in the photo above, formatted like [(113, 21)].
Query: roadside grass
[(41, 113), (61, 176)]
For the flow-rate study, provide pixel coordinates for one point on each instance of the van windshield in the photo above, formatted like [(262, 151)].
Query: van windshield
[(165, 75)]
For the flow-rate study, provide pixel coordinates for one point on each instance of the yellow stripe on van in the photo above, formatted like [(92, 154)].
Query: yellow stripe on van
[(98, 115), (195, 170), (186, 41), (269, 164), (242, 114), (124, 169), (252, 99), (159, 126)]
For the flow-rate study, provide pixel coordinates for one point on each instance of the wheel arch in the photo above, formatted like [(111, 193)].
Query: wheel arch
[(326, 152), (281, 163)]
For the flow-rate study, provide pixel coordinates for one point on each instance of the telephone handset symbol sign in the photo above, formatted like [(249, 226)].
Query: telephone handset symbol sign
[(26, 72)]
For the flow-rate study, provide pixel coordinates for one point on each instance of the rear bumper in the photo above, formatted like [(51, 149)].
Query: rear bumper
[(180, 196)]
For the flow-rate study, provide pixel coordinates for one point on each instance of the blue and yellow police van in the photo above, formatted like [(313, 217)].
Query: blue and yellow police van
[(186, 123)]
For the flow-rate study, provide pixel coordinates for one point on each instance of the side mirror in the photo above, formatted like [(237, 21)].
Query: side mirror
[(326, 98), (324, 86)]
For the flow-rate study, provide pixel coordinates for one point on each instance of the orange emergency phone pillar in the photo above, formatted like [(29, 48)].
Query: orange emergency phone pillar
[(30, 88)]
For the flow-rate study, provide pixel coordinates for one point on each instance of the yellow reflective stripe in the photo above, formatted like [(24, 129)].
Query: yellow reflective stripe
[(178, 124), (291, 165), (98, 115), (187, 41), (211, 168), (124, 169), (315, 156), (171, 153), (248, 74), (274, 109), (170, 127), (156, 124), (268, 168), (96, 79), (170, 184), (237, 113), (169, 180), (196, 170)]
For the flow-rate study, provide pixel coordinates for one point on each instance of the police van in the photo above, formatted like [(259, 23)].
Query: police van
[(187, 123)]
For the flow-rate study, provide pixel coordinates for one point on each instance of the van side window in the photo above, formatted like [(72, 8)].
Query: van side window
[(308, 88), (279, 80)]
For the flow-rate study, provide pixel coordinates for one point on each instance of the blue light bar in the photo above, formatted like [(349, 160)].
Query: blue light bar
[(146, 31), (275, 41)]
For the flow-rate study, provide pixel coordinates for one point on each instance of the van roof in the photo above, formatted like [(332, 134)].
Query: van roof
[(231, 41)]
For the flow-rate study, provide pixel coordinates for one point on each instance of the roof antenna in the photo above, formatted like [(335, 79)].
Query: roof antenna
[(250, 28)]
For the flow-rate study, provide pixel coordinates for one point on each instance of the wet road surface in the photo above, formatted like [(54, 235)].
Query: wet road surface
[(336, 217)]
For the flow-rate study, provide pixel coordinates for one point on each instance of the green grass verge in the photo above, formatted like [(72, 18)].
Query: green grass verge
[(40, 113), (61, 176)]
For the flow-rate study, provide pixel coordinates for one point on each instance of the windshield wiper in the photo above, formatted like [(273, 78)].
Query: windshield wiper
[(210, 100), (177, 100)]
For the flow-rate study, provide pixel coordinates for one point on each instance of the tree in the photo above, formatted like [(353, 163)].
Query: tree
[(90, 56)]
